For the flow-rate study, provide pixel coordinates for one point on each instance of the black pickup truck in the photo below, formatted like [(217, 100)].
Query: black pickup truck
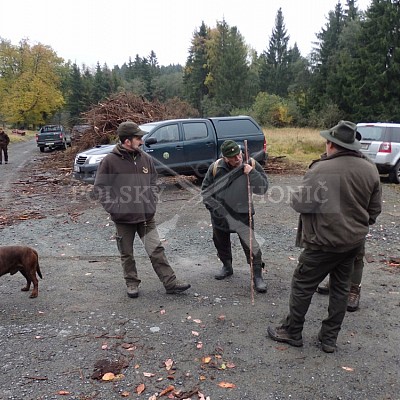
[(53, 136), (183, 146)]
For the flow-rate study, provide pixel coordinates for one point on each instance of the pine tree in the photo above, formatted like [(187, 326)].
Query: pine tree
[(274, 62)]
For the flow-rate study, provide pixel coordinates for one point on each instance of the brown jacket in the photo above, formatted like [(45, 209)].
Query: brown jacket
[(339, 198), (125, 185), (4, 139)]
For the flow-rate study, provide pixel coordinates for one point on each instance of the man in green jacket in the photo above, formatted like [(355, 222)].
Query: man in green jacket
[(225, 192), (339, 198), (126, 188)]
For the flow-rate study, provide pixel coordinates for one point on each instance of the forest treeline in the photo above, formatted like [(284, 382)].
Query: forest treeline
[(353, 72)]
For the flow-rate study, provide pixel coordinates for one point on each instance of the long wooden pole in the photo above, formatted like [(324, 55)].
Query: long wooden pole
[(246, 156)]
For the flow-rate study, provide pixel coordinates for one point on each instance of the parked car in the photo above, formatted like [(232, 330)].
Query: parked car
[(53, 136), (381, 143), (183, 146)]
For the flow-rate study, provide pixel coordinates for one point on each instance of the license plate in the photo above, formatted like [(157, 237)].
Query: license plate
[(50, 144), (364, 146), (77, 168)]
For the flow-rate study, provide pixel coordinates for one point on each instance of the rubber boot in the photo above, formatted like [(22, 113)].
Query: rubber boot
[(353, 301), (258, 280), (226, 270)]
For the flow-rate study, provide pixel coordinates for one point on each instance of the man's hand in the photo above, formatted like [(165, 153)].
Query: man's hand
[(247, 168)]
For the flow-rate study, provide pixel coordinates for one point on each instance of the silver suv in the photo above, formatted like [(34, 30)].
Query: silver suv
[(380, 141)]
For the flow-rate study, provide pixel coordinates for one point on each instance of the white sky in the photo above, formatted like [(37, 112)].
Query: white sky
[(88, 31)]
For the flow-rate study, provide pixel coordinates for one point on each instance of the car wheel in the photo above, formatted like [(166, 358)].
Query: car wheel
[(41, 149), (394, 174)]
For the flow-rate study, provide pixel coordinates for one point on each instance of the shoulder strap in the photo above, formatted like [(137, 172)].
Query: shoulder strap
[(215, 166)]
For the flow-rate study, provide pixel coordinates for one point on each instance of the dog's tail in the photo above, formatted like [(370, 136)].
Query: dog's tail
[(37, 265)]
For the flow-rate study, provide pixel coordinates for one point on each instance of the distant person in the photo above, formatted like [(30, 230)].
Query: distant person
[(4, 142), (225, 194), (126, 187), (339, 198)]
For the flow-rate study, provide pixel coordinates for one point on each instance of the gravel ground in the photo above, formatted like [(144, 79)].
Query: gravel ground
[(214, 335)]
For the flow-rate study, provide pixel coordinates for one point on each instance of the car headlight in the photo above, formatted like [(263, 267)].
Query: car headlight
[(96, 159)]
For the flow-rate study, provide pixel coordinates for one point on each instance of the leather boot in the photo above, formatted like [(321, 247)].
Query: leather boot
[(226, 270), (353, 301), (258, 280)]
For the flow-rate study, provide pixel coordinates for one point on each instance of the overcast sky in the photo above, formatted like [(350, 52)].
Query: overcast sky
[(111, 31)]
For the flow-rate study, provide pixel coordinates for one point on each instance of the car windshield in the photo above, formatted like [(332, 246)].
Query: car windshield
[(371, 132)]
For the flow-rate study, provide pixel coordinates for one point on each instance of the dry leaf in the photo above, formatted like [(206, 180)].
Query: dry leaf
[(348, 369), (230, 365), (63, 392), (226, 385), (109, 376), (206, 360), (153, 397), (148, 374), (194, 333), (199, 345), (140, 388), (104, 347), (198, 321), (162, 312), (223, 366), (128, 346), (168, 364), (125, 393), (170, 388), (137, 366), (202, 378)]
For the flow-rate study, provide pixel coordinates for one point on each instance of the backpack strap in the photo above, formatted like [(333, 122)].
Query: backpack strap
[(215, 166)]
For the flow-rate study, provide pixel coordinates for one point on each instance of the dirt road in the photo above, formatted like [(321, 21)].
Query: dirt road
[(207, 343)]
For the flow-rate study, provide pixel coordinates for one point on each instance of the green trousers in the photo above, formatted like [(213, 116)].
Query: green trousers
[(312, 268), (148, 234)]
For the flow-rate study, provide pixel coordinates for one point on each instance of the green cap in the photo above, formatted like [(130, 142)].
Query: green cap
[(230, 148)]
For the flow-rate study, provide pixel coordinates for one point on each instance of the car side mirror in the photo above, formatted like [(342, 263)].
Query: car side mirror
[(150, 141)]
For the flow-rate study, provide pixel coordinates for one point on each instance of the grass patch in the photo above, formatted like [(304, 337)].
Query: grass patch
[(16, 138), (298, 145)]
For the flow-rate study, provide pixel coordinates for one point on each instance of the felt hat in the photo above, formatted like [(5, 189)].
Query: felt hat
[(343, 134), (128, 129)]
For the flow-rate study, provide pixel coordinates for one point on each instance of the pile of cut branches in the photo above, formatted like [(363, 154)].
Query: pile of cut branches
[(107, 115)]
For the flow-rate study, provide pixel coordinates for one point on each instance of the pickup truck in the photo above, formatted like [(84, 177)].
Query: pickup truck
[(183, 146), (53, 136)]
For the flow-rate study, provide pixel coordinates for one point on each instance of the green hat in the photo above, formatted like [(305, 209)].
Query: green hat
[(128, 129), (343, 134), (230, 148)]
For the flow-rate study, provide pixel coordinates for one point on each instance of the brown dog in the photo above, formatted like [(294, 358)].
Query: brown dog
[(23, 259)]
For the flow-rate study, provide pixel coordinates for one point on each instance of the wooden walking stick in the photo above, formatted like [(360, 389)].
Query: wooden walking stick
[(249, 197)]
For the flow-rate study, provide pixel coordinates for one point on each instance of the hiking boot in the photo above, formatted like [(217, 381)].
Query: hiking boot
[(323, 288), (226, 271), (258, 280), (280, 334), (353, 301), (132, 291), (179, 287), (327, 348)]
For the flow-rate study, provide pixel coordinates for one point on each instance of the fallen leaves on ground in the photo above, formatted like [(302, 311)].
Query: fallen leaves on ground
[(140, 388)]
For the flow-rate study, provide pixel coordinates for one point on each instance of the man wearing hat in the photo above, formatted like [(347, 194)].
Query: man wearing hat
[(126, 188), (225, 194), (339, 198)]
